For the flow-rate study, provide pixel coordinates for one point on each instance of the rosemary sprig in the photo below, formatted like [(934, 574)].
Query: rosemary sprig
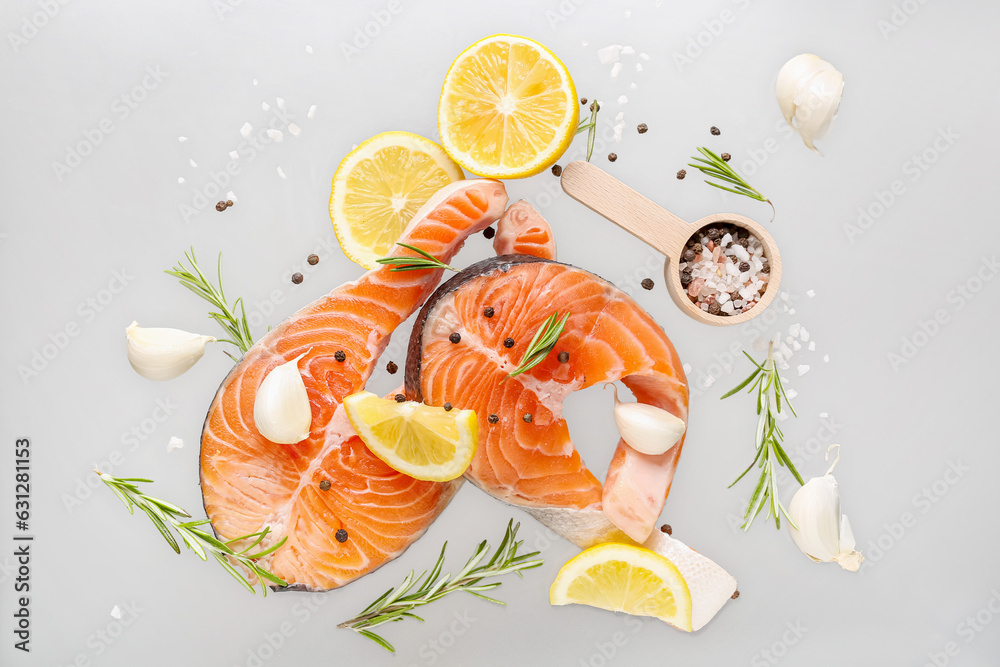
[(397, 604), (767, 439), (427, 261), (544, 341), (591, 128), (715, 167), (195, 280), (162, 514)]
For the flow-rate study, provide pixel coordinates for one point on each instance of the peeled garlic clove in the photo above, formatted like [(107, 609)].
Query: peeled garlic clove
[(163, 354), (647, 428), (281, 409), (809, 90), (848, 558)]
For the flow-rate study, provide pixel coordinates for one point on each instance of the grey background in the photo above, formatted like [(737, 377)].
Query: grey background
[(902, 426)]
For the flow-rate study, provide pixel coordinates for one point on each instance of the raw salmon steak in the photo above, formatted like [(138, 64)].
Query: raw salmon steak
[(250, 483), (525, 454)]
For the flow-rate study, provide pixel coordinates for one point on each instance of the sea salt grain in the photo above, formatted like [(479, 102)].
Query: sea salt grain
[(628, 51), (276, 135), (294, 129), (609, 54), (116, 612), (182, 139), (193, 163), (311, 112), (309, 49), (616, 69), (234, 155), (281, 172), (623, 99), (180, 179), (246, 130), (174, 444), (264, 106), (803, 369)]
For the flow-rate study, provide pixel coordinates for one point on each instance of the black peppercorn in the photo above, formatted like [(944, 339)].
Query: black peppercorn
[(612, 157), (447, 407), (341, 535), (726, 157), (493, 419), (647, 283), (563, 357), (766, 268), (489, 232), (714, 308), (340, 356), (744, 267), (391, 367), (715, 131), (686, 278), (681, 174), (221, 206), (642, 128), (296, 278), (735, 595), (400, 398), (714, 234), (455, 338), (556, 170), (313, 260), (325, 485), (229, 202), (488, 311), (665, 528), (697, 248), (527, 418), (583, 100), (508, 343), (594, 106), (745, 242), (688, 255)]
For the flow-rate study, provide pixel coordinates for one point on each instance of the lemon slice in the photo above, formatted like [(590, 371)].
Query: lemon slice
[(622, 577), (418, 440), (508, 108), (378, 188)]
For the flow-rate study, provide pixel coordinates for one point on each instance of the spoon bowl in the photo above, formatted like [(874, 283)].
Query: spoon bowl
[(664, 231)]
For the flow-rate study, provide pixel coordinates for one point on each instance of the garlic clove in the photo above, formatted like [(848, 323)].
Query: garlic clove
[(162, 353), (815, 510), (809, 90), (281, 409), (647, 428)]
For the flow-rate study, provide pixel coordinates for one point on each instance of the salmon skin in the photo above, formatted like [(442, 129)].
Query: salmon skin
[(531, 461), (249, 483)]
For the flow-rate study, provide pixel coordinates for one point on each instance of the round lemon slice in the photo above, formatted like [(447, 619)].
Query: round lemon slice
[(418, 440), (508, 108), (378, 188), (622, 577)]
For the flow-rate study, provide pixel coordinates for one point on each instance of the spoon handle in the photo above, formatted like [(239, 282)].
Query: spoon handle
[(603, 193)]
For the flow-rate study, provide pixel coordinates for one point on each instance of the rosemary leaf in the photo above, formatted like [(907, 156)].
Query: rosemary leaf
[(193, 279), (398, 604), (767, 441), (161, 513), (542, 344), (426, 261), (713, 166)]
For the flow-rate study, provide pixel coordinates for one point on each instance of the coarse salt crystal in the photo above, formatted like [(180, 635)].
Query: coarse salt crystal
[(294, 129), (812, 346), (182, 139), (791, 393), (623, 99), (803, 334), (193, 163), (246, 130), (174, 444), (180, 179), (687, 368), (644, 56), (309, 49), (826, 358), (116, 612), (632, 86), (231, 195), (281, 102), (794, 329), (264, 106), (796, 345), (235, 155), (616, 69), (255, 82), (728, 307), (311, 112), (811, 293), (276, 135), (803, 369), (628, 51), (281, 172), (609, 54), (823, 415), (628, 14), (619, 129), (638, 67)]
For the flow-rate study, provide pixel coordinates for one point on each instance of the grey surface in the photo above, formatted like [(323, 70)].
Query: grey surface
[(901, 428)]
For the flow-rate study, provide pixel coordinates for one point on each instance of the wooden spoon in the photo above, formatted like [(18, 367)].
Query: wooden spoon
[(605, 194)]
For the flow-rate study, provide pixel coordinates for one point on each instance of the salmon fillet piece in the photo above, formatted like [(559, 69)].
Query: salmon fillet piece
[(249, 483), (523, 231), (534, 464)]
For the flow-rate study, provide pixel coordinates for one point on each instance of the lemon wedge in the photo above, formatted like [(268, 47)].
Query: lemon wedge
[(378, 188), (622, 577), (418, 440), (508, 108)]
